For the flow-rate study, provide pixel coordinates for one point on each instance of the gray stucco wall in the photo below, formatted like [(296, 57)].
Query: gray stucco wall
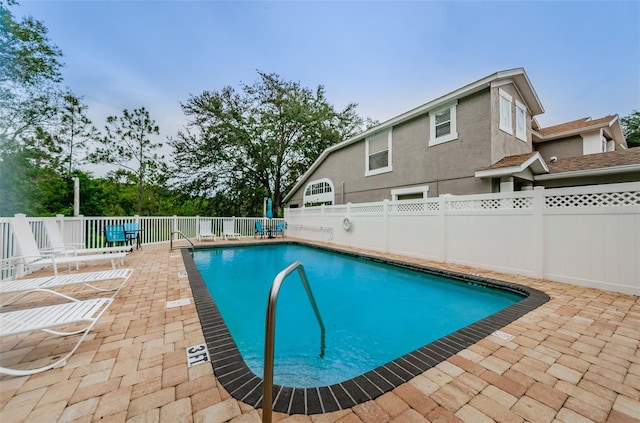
[(562, 148), (505, 144), (446, 168)]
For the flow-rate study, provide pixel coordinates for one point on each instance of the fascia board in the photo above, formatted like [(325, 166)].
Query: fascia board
[(589, 172), (503, 171), (578, 131), (512, 170), (571, 132)]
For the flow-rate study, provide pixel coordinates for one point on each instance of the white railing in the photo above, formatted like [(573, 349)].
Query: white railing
[(588, 236), (89, 231)]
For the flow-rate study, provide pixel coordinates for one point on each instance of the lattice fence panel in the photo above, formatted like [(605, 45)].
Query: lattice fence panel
[(605, 199), (491, 204), (413, 207), (368, 209)]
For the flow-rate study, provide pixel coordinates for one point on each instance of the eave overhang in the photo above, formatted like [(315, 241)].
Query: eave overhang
[(535, 163), (613, 125), (603, 171)]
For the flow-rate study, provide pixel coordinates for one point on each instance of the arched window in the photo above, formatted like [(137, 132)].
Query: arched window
[(319, 192)]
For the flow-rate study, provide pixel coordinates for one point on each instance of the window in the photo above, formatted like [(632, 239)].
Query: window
[(378, 153), (521, 121), (505, 112), (442, 124), (410, 193), (318, 192)]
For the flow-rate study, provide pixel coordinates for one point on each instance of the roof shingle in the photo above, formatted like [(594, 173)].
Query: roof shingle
[(630, 156), (575, 125)]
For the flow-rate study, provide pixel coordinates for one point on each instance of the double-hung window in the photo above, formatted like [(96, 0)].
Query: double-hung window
[(506, 122), (521, 121), (442, 123), (378, 153)]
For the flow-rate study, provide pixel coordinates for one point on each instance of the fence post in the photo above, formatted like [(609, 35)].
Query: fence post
[(348, 233), (385, 217), (538, 229), (442, 217), (60, 218), (322, 222), (175, 225)]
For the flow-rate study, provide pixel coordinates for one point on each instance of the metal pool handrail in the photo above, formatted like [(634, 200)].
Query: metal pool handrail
[(183, 236), (270, 333)]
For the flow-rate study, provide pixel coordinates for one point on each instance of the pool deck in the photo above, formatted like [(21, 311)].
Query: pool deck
[(574, 359)]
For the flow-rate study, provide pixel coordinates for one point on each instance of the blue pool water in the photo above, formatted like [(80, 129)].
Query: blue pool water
[(373, 312)]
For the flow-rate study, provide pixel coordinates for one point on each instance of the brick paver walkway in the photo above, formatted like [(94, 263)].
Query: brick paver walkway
[(574, 359)]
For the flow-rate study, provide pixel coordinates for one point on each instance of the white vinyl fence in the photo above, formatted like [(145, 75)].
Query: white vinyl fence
[(588, 236), (89, 231)]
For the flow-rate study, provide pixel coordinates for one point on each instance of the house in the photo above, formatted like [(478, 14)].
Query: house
[(481, 138)]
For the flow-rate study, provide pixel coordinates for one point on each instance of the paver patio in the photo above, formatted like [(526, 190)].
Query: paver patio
[(574, 359)]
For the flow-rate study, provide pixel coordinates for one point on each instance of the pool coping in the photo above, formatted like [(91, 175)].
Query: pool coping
[(242, 384)]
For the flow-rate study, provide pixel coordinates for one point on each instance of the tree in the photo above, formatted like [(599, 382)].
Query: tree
[(631, 128), (256, 142), (29, 74), (75, 128), (128, 146)]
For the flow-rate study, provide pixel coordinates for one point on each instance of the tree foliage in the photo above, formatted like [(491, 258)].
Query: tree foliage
[(128, 146), (256, 142), (29, 73), (74, 130), (631, 128)]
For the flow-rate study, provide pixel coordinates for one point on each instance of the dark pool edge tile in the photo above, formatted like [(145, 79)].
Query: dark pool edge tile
[(242, 384)]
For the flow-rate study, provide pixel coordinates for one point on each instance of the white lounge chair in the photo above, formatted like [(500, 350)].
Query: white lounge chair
[(30, 255), (205, 230), (59, 319), (228, 230), (58, 247), (22, 287)]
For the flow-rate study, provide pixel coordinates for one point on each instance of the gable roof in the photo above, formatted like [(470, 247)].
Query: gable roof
[(517, 75), (619, 161), (577, 127), (609, 159), (511, 165)]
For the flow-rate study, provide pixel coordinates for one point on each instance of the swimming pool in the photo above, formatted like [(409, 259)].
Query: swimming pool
[(360, 363)]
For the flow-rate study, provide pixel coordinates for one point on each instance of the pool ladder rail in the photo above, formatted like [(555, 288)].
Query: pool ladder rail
[(180, 235), (270, 332)]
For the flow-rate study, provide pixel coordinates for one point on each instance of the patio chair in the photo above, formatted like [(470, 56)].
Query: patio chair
[(114, 234), (228, 229), (22, 287), (205, 230), (131, 232), (58, 319), (260, 230), (279, 229), (58, 246), (30, 255)]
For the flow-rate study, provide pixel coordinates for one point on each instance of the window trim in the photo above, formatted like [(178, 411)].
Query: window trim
[(502, 94), (319, 197), (389, 166), (453, 134), (521, 106), (424, 189)]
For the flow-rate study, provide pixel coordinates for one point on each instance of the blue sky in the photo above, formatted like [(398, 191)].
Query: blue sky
[(583, 58)]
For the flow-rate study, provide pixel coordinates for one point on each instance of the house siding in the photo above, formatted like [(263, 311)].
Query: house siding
[(446, 168), (505, 144), (561, 148)]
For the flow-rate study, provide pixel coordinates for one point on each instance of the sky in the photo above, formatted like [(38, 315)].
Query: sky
[(582, 57)]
